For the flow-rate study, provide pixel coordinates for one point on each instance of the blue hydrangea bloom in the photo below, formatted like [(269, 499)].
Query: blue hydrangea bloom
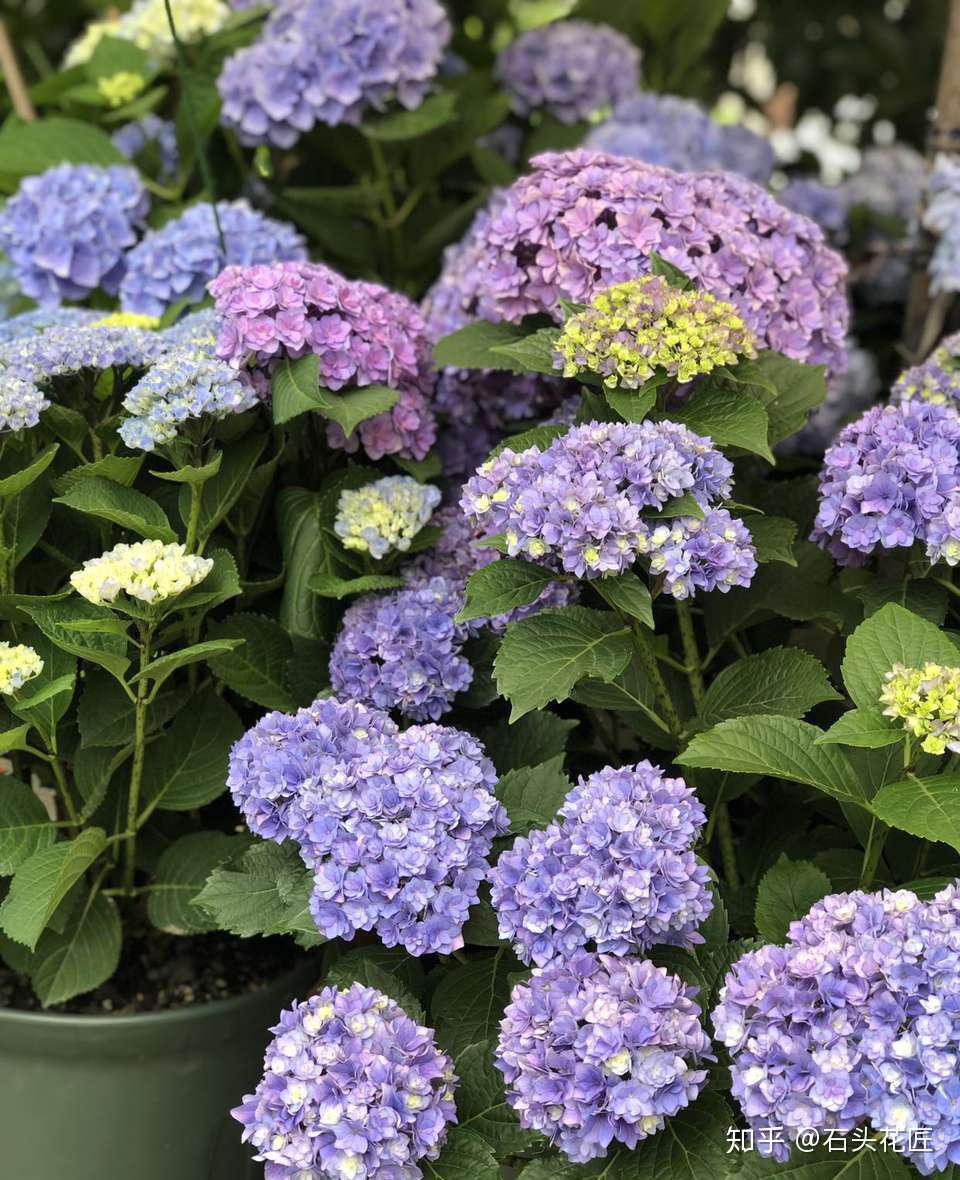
[(39, 319), (150, 134), (61, 351), (942, 216), (827, 205), (177, 261), (21, 401), (67, 230)]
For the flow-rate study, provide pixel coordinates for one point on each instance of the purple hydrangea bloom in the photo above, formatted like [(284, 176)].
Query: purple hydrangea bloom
[(362, 333), (178, 260), (330, 61), (352, 1087), (615, 873), (150, 134), (889, 181), (678, 133), (854, 1022), (848, 395), (598, 1049), (570, 69), (827, 205), (403, 650), (691, 554), (583, 221), (935, 380), (62, 351), (942, 216), (892, 478), (67, 230)]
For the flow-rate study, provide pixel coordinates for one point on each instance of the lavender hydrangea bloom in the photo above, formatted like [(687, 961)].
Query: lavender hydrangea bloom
[(571, 69), (583, 221), (40, 319), (615, 873), (61, 351), (150, 134), (889, 181), (597, 1049), (362, 333), (67, 230), (892, 478), (827, 205), (403, 650), (942, 215), (177, 261), (853, 1022), (352, 1087), (678, 133), (21, 401), (712, 553), (330, 61), (848, 395), (935, 380)]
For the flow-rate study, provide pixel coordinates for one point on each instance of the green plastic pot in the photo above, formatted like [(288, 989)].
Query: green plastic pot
[(143, 1097)]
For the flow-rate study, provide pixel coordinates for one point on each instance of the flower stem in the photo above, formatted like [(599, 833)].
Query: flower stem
[(691, 654), (876, 839), (647, 659), (193, 522), (728, 848), (140, 706)]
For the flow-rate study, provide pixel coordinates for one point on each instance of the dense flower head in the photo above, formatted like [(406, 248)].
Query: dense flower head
[(146, 25), (937, 379), (63, 351), (889, 181), (570, 69), (153, 138), (403, 650), (149, 571), (40, 319), (715, 552), (352, 1088), (67, 230), (18, 664), (582, 221), (848, 394), (599, 1049), (927, 701), (177, 261), (22, 401), (331, 61), (615, 873), (396, 824), (854, 1022), (362, 333), (678, 133), (942, 215), (384, 515), (827, 205), (634, 329), (577, 505), (890, 479), (120, 88)]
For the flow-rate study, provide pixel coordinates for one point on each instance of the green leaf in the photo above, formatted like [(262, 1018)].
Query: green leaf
[(472, 347), (535, 738), (30, 148), (331, 586), (786, 892), (781, 747), (537, 436), (532, 795), (684, 505), (394, 960), (122, 469), (220, 585), (306, 552), (921, 596), (93, 772), (728, 416), (864, 728), (482, 1104), (25, 518), (533, 353), (926, 807), (872, 1163), (160, 669), (125, 507), (633, 405), (470, 999), (92, 632), (187, 766), (788, 389), (482, 928), (465, 1156), (502, 586), (297, 390), (43, 881), (224, 489), (105, 712), (673, 274), (14, 739), (542, 657), (422, 470), (892, 635), (258, 670), (356, 967), (181, 873), (773, 537), (45, 700), (782, 680), (80, 958), (627, 594), (190, 474), (691, 1146), (435, 111), (25, 827), (13, 484)]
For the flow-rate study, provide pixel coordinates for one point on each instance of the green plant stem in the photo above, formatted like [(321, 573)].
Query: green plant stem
[(390, 221), (647, 659), (193, 521), (876, 838), (58, 773), (728, 848), (691, 654), (136, 771)]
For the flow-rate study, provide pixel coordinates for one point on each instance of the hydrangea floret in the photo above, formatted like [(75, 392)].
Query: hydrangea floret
[(148, 571), (64, 351), (935, 380), (18, 664), (120, 88), (927, 701), (146, 134), (21, 401), (597, 1050), (385, 515), (145, 24)]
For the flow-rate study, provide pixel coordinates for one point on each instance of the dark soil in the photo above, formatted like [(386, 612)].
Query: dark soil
[(159, 972)]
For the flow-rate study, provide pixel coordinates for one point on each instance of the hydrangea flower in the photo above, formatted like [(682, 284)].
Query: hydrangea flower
[(352, 1087), (853, 1023), (362, 333), (178, 260), (892, 478), (40, 319), (848, 394), (597, 1050), (150, 134), (942, 215), (149, 571), (18, 664), (403, 650), (331, 61), (120, 88), (384, 515), (67, 230), (570, 69), (615, 873), (827, 205), (634, 329), (712, 553), (395, 825), (21, 401), (80, 51), (927, 701), (889, 181), (678, 133), (62, 351), (582, 221), (935, 380)]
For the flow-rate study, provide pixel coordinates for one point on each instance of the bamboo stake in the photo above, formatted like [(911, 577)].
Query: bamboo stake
[(10, 68)]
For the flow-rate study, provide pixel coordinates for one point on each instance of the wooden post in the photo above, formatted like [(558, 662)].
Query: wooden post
[(10, 68)]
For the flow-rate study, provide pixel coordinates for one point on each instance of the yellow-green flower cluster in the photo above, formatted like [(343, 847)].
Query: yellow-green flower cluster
[(145, 24), (120, 88), (384, 515), (18, 664), (634, 329), (927, 701), (147, 570), (128, 319)]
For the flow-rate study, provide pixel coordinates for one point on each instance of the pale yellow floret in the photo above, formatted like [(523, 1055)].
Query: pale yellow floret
[(146, 570)]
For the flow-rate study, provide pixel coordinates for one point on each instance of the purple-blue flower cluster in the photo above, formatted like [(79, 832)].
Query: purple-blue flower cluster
[(21, 401), (598, 1049), (64, 350), (352, 1088), (403, 650), (827, 205), (935, 380), (40, 319), (942, 215), (153, 137), (890, 479), (855, 1021), (691, 553), (67, 230), (571, 69), (396, 825), (177, 261), (330, 61), (615, 873)]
